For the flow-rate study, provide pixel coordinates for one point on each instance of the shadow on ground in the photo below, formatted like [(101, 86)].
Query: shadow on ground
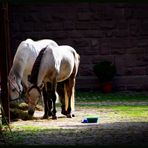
[(118, 133)]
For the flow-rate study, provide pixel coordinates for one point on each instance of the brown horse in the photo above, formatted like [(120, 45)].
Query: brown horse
[(56, 64)]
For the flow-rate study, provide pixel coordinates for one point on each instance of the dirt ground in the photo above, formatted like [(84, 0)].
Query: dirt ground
[(110, 130)]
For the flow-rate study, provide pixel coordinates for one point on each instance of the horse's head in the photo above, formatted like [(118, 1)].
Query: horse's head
[(34, 94), (14, 89)]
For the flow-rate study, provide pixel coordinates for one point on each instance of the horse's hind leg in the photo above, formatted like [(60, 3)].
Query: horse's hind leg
[(60, 91)]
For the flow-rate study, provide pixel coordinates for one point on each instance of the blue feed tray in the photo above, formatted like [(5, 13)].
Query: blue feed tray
[(90, 119)]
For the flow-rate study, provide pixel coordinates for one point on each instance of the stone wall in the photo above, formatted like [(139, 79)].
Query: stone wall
[(116, 32)]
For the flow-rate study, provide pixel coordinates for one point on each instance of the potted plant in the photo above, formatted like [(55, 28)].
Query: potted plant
[(105, 71)]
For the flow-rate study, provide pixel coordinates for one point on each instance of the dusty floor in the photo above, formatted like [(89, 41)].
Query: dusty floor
[(110, 130)]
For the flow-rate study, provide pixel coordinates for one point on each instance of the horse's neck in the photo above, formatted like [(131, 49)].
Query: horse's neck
[(18, 69), (23, 61), (14, 74), (14, 78)]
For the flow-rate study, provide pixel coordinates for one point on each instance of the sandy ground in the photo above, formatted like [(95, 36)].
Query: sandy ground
[(110, 130)]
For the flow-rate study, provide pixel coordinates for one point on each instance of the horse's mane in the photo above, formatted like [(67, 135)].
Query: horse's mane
[(35, 69)]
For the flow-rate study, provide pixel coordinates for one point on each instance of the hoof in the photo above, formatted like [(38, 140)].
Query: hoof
[(73, 115), (30, 117), (49, 114), (30, 112), (45, 117), (54, 117), (64, 112), (69, 116)]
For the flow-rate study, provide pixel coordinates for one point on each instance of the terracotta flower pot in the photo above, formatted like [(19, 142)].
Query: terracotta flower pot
[(107, 87)]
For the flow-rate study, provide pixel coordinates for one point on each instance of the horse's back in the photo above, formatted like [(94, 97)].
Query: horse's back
[(64, 51), (26, 54), (29, 49), (36, 46), (71, 54), (60, 54), (61, 62)]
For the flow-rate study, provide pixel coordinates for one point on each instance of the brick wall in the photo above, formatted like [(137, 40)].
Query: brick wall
[(116, 32)]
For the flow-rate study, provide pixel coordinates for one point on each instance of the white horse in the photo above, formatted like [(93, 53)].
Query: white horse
[(23, 61), (54, 64)]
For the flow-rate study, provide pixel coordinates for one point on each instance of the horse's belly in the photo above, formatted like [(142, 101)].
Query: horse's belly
[(61, 76)]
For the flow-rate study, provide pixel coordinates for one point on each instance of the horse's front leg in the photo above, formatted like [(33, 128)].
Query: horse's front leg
[(46, 106), (54, 106), (53, 93), (49, 102)]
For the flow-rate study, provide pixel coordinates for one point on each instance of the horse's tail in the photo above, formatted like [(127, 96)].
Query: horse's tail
[(73, 100), (67, 99)]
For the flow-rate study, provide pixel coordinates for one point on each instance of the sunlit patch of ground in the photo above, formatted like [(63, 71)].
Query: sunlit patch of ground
[(106, 115), (115, 127)]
